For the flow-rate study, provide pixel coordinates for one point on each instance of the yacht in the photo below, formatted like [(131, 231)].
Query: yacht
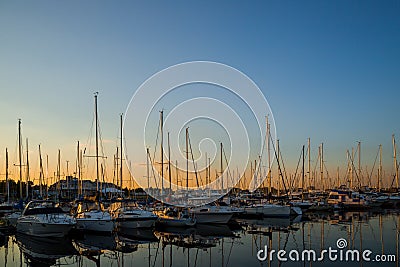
[(172, 217), (91, 216), (212, 214), (268, 210), (127, 215), (347, 199), (44, 219), (5, 209)]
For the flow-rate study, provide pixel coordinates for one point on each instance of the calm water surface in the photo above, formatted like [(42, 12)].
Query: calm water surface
[(208, 245)]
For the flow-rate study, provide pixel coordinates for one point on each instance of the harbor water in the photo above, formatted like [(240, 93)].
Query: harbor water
[(240, 244)]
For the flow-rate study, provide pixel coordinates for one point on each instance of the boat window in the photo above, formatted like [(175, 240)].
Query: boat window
[(43, 211)]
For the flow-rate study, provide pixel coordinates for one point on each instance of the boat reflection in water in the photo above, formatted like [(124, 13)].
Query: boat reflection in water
[(92, 246), (44, 251), (129, 241), (138, 235), (213, 245)]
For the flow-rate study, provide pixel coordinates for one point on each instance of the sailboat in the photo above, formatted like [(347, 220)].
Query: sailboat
[(92, 216), (6, 208), (212, 213), (12, 217), (269, 209), (171, 216)]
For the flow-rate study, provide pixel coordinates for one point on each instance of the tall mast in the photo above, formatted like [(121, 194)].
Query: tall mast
[(396, 169), (279, 174), (78, 163), (41, 173), (162, 150), (97, 141), (187, 158), (169, 166), (177, 176), (351, 166), (209, 170), (120, 156), (322, 167), (222, 177), (269, 160), (302, 178), (116, 175), (251, 170), (47, 175), (380, 166), (59, 171), (359, 163), (309, 161), (206, 169), (147, 169), (8, 184), (67, 180), (20, 157), (255, 172), (338, 177), (27, 169)]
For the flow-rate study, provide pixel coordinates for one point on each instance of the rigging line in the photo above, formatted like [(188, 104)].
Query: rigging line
[(102, 151), (297, 168), (158, 246), (286, 240), (316, 162), (354, 167), (279, 167), (283, 165), (373, 167), (194, 165), (229, 255), (152, 170), (227, 166), (195, 259), (89, 140), (394, 178), (157, 136), (327, 172), (264, 147)]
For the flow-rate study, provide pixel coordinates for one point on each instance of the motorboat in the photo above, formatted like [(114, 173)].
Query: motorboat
[(127, 215), (212, 214), (12, 218), (268, 210), (91, 216), (6, 208), (44, 219), (347, 199), (172, 217)]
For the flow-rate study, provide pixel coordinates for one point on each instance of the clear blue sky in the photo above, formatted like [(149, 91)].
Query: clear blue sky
[(329, 69)]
